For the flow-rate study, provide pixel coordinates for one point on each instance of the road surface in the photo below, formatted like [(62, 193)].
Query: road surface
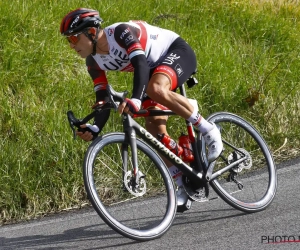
[(208, 225)]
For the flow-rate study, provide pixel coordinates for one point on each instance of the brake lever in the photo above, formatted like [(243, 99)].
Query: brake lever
[(115, 97), (101, 105), (73, 122)]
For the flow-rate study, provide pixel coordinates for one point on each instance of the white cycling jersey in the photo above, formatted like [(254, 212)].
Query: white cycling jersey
[(155, 42)]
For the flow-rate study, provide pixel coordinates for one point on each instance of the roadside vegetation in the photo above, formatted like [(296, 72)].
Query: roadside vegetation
[(248, 63)]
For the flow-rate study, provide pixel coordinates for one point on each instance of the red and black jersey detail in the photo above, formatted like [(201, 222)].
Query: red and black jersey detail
[(143, 37), (127, 37), (98, 75)]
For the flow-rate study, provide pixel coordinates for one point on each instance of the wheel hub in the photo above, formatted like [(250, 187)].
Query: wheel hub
[(136, 189), (236, 155)]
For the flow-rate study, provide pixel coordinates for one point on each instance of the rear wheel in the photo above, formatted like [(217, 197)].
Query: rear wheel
[(142, 211), (250, 183)]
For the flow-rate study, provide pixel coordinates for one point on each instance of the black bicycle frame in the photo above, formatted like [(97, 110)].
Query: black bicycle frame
[(132, 128)]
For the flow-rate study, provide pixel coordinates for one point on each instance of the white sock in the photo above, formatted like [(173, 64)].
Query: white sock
[(176, 174), (198, 121)]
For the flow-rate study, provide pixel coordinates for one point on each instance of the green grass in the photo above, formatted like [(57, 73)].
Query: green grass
[(248, 52)]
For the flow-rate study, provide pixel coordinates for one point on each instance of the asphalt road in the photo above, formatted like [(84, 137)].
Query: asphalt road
[(209, 225)]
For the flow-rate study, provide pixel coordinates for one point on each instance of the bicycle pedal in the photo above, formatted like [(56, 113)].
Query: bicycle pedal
[(185, 206)]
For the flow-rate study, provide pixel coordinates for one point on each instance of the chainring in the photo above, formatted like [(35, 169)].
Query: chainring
[(199, 193)]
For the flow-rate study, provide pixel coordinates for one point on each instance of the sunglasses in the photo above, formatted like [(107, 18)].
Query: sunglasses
[(74, 38)]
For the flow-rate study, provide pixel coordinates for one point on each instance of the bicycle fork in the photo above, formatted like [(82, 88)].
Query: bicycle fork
[(130, 141)]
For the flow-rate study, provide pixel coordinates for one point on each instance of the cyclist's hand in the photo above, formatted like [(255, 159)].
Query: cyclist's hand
[(88, 132), (130, 106)]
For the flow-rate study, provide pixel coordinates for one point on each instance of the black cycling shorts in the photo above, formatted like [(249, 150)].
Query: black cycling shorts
[(178, 65)]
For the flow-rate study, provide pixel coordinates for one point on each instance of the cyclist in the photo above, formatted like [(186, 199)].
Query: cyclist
[(160, 60)]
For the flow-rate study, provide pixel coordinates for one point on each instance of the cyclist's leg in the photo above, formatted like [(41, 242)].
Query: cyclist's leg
[(159, 90), (179, 64), (158, 125)]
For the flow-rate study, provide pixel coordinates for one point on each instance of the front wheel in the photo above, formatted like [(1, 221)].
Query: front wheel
[(140, 211), (244, 175)]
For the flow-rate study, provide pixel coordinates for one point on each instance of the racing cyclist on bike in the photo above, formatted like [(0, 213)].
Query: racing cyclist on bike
[(160, 60)]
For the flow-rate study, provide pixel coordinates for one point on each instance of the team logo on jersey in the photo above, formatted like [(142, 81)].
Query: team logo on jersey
[(128, 39), (124, 33), (118, 62), (110, 31), (153, 37), (179, 70)]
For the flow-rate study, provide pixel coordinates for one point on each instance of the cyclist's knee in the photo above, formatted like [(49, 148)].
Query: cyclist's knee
[(158, 87)]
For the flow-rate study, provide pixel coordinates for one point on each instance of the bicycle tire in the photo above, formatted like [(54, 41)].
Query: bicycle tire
[(143, 217), (251, 185)]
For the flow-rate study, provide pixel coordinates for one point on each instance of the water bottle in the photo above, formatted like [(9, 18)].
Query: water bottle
[(170, 144), (184, 142)]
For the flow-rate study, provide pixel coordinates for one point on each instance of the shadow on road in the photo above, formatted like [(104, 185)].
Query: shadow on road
[(96, 232)]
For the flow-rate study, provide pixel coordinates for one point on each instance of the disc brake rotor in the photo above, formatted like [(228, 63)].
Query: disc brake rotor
[(133, 188), (236, 155)]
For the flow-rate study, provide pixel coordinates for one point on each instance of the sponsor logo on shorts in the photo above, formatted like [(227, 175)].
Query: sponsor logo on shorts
[(179, 70), (171, 59)]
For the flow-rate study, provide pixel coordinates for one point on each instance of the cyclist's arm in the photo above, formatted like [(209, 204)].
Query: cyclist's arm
[(127, 37), (100, 82), (140, 77), (101, 117)]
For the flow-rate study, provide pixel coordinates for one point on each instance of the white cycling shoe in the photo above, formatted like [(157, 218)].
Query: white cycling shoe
[(214, 143), (183, 201)]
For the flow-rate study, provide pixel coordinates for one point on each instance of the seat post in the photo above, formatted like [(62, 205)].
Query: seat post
[(182, 90)]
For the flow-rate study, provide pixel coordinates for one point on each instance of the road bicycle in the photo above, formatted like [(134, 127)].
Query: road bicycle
[(130, 187)]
